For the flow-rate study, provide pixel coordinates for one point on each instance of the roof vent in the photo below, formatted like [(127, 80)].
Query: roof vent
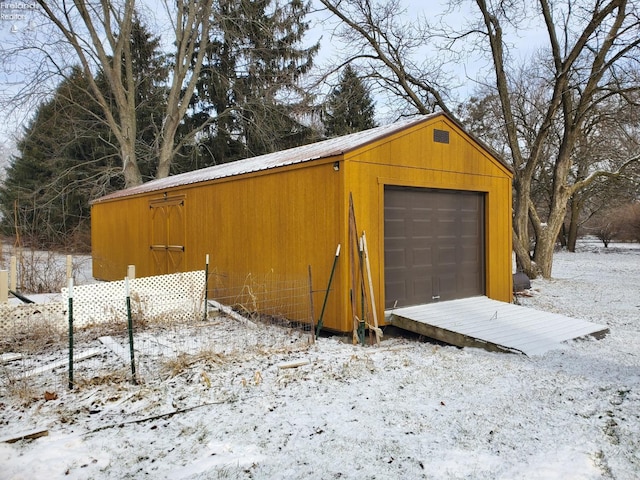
[(440, 136)]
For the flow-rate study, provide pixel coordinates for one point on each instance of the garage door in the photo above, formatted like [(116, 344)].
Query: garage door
[(433, 245)]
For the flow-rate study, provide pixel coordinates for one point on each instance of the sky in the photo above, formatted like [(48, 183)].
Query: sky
[(15, 17)]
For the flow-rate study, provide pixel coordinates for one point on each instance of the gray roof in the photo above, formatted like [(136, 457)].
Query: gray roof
[(306, 153)]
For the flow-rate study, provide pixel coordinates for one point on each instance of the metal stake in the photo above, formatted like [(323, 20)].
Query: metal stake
[(326, 295), (130, 328), (206, 286)]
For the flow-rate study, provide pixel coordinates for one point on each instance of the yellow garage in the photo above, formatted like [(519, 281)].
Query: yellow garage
[(434, 203)]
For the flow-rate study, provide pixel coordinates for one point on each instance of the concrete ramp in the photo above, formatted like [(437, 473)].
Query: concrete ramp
[(492, 325)]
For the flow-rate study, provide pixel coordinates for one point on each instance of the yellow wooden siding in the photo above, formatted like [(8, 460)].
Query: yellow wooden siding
[(275, 222), (119, 237), (286, 219), (267, 222)]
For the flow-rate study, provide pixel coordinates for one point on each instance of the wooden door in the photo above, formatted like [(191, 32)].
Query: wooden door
[(167, 234)]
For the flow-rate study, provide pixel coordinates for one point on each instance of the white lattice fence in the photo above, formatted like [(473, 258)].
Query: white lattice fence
[(178, 296), (24, 319)]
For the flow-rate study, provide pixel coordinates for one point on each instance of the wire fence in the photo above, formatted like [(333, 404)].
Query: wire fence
[(149, 329)]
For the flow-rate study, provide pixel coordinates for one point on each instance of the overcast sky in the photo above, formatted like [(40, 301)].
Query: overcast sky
[(524, 42)]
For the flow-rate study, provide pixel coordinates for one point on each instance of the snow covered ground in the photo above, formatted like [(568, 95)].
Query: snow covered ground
[(408, 409)]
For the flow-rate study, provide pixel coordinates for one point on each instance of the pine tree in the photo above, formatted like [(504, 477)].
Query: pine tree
[(349, 107), (65, 157), (248, 87), (68, 154)]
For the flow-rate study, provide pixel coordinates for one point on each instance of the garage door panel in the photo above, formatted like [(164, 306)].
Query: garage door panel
[(420, 285), (448, 285), (397, 290), (421, 257), (469, 229), (396, 224), (442, 236), (446, 256), (396, 258), (447, 230), (470, 256), (421, 228), (470, 281)]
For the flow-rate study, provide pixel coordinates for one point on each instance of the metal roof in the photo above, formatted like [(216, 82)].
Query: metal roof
[(306, 153)]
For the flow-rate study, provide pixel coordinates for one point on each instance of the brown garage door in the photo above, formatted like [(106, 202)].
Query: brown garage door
[(433, 245)]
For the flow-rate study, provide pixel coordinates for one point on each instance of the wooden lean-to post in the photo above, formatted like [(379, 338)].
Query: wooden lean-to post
[(4, 286), (363, 292), (69, 267), (354, 251), (376, 329)]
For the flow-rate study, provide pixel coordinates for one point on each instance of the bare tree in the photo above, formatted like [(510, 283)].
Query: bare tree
[(99, 33), (620, 223), (629, 221), (610, 135), (605, 227), (593, 46), (385, 48)]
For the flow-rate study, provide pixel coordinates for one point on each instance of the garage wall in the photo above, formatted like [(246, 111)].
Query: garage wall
[(266, 222), (412, 158), (119, 234)]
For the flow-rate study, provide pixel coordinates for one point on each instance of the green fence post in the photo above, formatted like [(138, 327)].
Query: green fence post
[(326, 295), (206, 286), (130, 328)]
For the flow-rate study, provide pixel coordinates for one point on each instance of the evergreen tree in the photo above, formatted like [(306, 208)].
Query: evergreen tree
[(248, 88), (349, 107), (65, 157), (68, 154)]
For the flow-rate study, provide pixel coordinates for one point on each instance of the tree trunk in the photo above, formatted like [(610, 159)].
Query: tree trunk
[(165, 158), (563, 236), (547, 233), (131, 172), (543, 255), (572, 239), (521, 239)]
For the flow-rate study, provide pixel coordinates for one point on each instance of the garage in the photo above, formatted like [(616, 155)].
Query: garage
[(433, 245), (434, 202)]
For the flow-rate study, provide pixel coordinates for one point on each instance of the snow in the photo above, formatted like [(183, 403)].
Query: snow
[(406, 409)]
